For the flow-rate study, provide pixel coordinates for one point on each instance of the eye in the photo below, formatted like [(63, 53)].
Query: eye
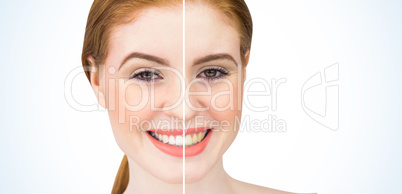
[(213, 73), (147, 75)]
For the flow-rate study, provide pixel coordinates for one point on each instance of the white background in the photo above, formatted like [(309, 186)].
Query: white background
[(48, 147)]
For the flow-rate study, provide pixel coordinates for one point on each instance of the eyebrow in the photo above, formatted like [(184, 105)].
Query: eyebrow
[(146, 57), (214, 57)]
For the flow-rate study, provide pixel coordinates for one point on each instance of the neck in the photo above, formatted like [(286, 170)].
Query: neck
[(215, 181)]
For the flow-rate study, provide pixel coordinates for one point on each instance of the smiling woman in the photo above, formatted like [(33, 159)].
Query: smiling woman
[(133, 57)]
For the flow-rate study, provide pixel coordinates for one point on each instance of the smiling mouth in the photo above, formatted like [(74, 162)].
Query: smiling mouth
[(172, 142), (178, 140)]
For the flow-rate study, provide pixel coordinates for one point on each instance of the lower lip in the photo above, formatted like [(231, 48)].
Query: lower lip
[(178, 151)]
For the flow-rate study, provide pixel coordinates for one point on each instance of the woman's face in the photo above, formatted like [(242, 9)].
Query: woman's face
[(142, 82)]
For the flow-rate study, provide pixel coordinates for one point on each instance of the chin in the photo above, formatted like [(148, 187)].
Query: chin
[(170, 177), (165, 170), (200, 166), (195, 173)]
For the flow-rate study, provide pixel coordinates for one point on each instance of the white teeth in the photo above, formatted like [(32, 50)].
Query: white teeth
[(165, 139), (178, 140), (172, 140)]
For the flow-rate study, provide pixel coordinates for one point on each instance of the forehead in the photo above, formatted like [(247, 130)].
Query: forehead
[(209, 32), (156, 31), (159, 32)]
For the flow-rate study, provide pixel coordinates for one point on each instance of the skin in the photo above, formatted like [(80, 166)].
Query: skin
[(159, 32)]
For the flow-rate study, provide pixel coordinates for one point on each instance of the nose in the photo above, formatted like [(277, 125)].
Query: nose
[(180, 102), (178, 105), (172, 101), (179, 110)]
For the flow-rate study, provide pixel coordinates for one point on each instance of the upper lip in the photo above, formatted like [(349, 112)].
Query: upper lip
[(175, 132)]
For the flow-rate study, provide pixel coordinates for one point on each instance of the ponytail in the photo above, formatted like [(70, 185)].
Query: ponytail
[(121, 180)]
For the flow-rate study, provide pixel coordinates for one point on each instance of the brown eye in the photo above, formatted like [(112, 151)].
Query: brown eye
[(210, 73), (213, 73), (147, 76)]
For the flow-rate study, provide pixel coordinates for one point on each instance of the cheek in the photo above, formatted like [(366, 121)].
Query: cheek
[(228, 113), (132, 103), (130, 109), (225, 104)]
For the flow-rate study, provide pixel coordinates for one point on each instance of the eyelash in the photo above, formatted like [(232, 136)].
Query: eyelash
[(221, 71), (153, 72)]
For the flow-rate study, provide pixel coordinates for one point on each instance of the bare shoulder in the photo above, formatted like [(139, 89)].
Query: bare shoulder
[(243, 187)]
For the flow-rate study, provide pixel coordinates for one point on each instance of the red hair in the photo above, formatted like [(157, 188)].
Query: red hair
[(104, 15)]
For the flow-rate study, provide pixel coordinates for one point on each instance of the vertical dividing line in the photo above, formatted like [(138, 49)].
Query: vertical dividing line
[(184, 95)]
